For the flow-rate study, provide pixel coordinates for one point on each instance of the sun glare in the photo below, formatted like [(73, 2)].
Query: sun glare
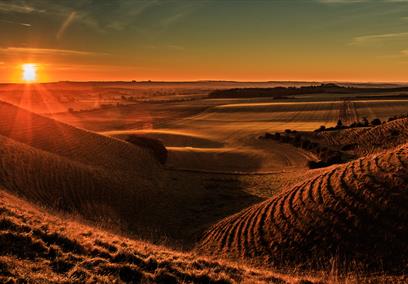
[(29, 72)]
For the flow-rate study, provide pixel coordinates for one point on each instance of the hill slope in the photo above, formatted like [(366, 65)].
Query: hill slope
[(369, 140), (108, 180), (70, 142), (40, 248), (355, 213), (63, 167)]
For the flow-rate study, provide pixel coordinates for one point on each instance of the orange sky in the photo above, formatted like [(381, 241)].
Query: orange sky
[(316, 40)]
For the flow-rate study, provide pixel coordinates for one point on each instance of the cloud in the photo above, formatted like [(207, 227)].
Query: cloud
[(16, 23), (18, 8), (48, 51), (126, 13), (68, 21), (172, 19), (176, 47), (341, 1), (360, 1), (379, 37), (173, 47), (404, 52)]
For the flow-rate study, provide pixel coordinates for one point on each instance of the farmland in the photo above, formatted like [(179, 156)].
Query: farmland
[(195, 175)]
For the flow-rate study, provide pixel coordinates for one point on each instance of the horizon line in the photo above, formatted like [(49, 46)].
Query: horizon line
[(204, 80)]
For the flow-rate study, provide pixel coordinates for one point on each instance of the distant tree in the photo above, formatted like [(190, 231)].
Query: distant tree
[(365, 121), (305, 144), (316, 164), (288, 131), (376, 122), (268, 135), (297, 140), (339, 124), (155, 146), (322, 128)]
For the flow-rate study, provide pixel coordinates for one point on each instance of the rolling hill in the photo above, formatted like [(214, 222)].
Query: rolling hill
[(354, 213), (77, 171), (367, 140), (39, 247), (108, 181)]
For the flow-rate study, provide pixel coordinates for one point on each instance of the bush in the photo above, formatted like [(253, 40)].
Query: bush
[(365, 121), (356, 124), (306, 144), (155, 146), (297, 140), (268, 136), (316, 165), (284, 138), (376, 122), (321, 128)]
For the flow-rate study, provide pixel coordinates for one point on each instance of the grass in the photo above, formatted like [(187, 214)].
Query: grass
[(355, 212), (368, 140), (37, 246), (342, 224), (102, 178), (40, 247)]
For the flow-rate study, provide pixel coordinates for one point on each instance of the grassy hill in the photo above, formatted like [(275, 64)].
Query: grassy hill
[(354, 213), (110, 181), (77, 171), (42, 248), (367, 140)]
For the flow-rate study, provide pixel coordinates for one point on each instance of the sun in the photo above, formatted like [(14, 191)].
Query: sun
[(29, 72)]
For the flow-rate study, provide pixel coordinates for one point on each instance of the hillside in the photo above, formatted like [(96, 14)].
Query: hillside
[(354, 213), (41, 248), (72, 143), (109, 181), (367, 140), (69, 169)]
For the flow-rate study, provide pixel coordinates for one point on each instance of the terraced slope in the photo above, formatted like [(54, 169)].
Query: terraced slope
[(41, 248), (356, 213), (370, 139)]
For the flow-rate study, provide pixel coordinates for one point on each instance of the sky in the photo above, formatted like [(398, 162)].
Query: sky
[(299, 40)]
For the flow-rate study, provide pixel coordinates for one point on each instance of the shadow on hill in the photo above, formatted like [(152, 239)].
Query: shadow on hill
[(108, 181)]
